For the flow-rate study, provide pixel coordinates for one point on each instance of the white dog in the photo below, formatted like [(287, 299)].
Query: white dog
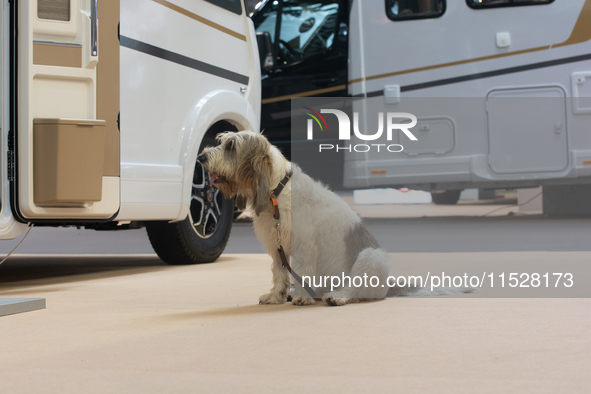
[(320, 234)]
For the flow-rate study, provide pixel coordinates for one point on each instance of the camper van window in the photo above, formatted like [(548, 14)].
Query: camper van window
[(307, 28), (401, 10), (55, 10), (504, 3)]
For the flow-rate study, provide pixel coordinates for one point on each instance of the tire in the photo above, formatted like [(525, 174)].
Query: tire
[(448, 197), (203, 235)]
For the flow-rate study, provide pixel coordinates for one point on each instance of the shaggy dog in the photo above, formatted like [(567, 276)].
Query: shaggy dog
[(320, 233)]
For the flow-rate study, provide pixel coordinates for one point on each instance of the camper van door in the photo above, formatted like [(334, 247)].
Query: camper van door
[(64, 129)]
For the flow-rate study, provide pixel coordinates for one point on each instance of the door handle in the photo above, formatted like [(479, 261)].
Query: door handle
[(93, 28)]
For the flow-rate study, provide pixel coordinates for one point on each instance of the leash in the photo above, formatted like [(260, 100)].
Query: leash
[(276, 222)]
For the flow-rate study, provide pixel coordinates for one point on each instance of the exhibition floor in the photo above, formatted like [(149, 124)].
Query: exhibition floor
[(122, 324)]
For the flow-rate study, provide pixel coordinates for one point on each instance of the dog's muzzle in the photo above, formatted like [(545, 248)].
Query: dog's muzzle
[(202, 158)]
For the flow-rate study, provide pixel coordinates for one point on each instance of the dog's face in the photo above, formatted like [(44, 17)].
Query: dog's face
[(241, 166)]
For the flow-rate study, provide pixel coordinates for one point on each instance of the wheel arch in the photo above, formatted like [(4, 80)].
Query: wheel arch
[(217, 108)]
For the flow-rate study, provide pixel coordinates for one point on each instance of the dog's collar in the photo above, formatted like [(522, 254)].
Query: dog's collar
[(282, 183), (278, 191)]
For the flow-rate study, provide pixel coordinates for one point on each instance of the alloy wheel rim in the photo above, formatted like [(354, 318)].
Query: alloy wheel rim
[(206, 204)]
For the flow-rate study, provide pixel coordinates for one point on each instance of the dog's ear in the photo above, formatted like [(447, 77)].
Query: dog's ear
[(261, 183), (230, 145), (240, 201)]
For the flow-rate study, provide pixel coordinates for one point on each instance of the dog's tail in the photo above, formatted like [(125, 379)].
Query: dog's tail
[(412, 291)]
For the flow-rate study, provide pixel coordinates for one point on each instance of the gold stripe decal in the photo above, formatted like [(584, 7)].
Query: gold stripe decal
[(304, 94), (582, 29), (456, 63), (200, 19), (581, 33)]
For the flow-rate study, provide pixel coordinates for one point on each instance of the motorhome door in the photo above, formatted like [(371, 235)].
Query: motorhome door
[(65, 109), (310, 44)]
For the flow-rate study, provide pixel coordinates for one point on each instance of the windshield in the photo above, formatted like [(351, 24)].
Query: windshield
[(307, 27)]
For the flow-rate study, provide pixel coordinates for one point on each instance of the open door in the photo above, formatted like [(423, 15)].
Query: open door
[(310, 49), (65, 110)]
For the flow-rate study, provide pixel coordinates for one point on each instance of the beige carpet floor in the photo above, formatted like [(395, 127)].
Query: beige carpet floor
[(128, 324)]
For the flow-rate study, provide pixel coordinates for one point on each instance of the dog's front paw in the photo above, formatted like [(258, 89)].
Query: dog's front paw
[(271, 298), (336, 301), (303, 301)]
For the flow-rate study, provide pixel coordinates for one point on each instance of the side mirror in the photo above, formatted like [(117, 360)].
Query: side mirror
[(265, 51)]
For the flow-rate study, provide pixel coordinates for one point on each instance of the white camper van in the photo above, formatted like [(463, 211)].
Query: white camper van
[(105, 106), (501, 88)]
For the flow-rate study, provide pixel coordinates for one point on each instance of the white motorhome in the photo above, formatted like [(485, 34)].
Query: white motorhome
[(105, 106), (501, 88)]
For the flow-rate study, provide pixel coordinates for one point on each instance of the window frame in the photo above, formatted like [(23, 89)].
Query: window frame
[(397, 18), (511, 4)]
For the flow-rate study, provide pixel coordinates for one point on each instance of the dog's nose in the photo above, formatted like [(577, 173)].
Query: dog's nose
[(202, 158)]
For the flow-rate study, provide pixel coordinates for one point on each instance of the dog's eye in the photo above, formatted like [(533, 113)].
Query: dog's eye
[(230, 145)]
